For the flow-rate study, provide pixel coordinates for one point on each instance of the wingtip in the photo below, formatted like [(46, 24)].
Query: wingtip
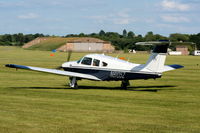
[(7, 65), (175, 66), (10, 65)]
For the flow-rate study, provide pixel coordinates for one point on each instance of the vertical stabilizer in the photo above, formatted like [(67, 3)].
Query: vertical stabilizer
[(156, 61)]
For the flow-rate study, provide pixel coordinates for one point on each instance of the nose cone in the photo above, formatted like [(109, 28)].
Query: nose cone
[(66, 64)]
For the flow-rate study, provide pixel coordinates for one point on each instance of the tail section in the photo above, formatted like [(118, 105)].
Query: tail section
[(157, 59), (156, 62)]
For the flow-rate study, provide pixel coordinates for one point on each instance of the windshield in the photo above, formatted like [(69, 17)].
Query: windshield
[(79, 60), (86, 61)]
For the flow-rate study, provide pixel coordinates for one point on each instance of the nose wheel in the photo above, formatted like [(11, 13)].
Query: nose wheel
[(73, 82)]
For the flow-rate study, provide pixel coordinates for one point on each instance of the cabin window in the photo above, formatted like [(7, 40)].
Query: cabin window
[(104, 64), (86, 61), (96, 62)]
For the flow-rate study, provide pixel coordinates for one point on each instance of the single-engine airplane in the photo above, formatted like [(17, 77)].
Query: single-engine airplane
[(100, 67)]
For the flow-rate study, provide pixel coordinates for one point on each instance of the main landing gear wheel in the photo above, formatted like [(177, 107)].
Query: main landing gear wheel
[(124, 84), (73, 82)]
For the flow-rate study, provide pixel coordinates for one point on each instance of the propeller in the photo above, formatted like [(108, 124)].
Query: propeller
[(68, 59), (69, 55)]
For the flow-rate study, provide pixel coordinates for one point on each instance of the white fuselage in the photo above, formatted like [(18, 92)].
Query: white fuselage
[(112, 63)]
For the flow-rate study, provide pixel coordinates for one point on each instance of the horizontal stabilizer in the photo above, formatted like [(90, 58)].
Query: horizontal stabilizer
[(54, 71), (171, 67)]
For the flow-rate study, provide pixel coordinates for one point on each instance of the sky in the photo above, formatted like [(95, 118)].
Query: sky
[(62, 17)]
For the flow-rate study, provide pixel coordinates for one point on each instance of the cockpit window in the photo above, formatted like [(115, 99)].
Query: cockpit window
[(86, 61), (96, 62), (104, 64)]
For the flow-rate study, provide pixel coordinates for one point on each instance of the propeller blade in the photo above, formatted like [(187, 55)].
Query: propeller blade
[(69, 55), (68, 59)]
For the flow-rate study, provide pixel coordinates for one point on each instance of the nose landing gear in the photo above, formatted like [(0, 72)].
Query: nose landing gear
[(73, 82)]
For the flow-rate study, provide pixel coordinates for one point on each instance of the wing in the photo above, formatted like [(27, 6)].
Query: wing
[(171, 67), (54, 71)]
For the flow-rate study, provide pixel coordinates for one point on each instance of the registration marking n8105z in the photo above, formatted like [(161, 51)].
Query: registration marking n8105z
[(117, 74)]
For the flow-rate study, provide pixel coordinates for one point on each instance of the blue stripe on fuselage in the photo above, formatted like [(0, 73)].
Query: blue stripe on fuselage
[(109, 74)]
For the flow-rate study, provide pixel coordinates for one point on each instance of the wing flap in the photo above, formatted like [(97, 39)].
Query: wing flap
[(54, 71)]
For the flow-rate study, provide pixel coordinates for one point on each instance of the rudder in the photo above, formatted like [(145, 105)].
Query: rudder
[(157, 59)]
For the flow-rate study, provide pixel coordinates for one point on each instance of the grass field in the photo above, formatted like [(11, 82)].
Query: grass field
[(33, 102)]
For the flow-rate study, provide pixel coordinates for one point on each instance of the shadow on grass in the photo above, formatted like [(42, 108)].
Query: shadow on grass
[(132, 88)]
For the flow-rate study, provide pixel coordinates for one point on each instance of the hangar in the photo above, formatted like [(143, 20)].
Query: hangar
[(79, 44), (87, 44)]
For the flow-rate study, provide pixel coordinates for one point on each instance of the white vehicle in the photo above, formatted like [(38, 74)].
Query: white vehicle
[(175, 53), (197, 52), (100, 67)]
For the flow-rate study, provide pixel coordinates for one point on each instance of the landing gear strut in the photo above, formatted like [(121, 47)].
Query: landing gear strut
[(124, 84), (73, 82)]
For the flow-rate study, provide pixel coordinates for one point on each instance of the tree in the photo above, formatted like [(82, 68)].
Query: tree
[(81, 35), (124, 33), (20, 39), (112, 35), (38, 35), (179, 37), (149, 36), (159, 37), (28, 38), (195, 39), (17, 39), (102, 33), (130, 34)]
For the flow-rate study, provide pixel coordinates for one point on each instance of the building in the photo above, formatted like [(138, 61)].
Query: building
[(87, 44), (79, 44), (183, 49)]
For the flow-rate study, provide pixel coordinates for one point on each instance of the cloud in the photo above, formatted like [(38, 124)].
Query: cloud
[(124, 13), (28, 16), (99, 18), (163, 26), (177, 28), (174, 5), (121, 18), (150, 20), (175, 18), (9, 4), (122, 21)]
